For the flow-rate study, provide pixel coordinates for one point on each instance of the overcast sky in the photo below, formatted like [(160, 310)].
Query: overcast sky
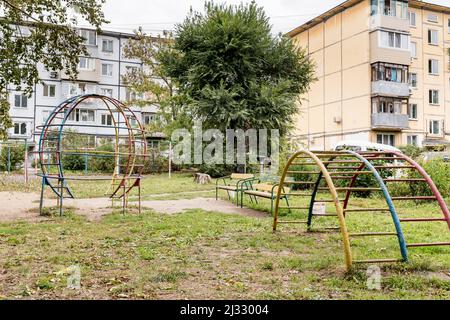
[(157, 15)]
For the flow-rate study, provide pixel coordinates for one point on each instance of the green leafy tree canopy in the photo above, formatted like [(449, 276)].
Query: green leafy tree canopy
[(40, 31), (234, 72)]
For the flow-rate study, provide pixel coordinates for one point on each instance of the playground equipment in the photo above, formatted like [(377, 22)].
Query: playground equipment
[(327, 169), (129, 140)]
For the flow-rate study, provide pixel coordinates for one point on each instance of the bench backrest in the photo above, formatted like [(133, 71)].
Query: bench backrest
[(268, 188), (241, 176)]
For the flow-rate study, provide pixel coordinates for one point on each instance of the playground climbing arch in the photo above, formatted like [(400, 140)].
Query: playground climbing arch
[(336, 173)]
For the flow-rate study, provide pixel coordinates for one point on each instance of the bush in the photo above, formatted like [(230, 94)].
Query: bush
[(412, 151), (103, 162), (16, 156), (436, 169), (73, 162), (217, 170)]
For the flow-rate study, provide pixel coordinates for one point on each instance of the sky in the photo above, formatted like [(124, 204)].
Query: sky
[(157, 15)]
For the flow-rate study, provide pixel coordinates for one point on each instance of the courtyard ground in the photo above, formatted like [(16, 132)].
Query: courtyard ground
[(185, 245)]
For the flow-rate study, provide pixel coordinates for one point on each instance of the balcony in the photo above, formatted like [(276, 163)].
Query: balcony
[(390, 121), (390, 88), (389, 22)]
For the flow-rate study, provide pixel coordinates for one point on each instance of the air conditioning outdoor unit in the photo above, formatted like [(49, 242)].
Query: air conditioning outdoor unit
[(337, 119)]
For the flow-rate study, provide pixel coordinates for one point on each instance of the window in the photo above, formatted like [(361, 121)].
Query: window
[(20, 128), (107, 69), (82, 115), (411, 140), (132, 121), (131, 70), (107, 92), (386, 105), (107, 45), (149, 118), (106, 119), (433, 37), (434, 127), (388, 139), (394, 8), (413, 80), (131, 95), (90, 37), (394, 40), (413, 50), (86, 63), (412, 19), (49, 90), (412, 111), (20, 101), (432, 17), (433, 96), (433, 66), (389, 72)]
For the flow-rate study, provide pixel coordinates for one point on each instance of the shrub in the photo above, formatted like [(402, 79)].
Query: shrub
[(73, 162), (412, 151), (16, 156), (217, 170), (103, 162)]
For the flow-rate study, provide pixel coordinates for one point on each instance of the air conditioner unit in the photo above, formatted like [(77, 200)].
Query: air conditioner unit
[(337, 119), (53, 75)]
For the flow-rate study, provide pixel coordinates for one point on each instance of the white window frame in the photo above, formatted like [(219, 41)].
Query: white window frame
[(385, 137), (411, 20), (432, 127), (433, 41), (109, 69), (433, 67), (90, 37), (399, 41), (412, 140), (432, 95), (413, 50), (411, 82), (109, 48), (23, 101), (432, 17), (107, 92), (413, 111), (106, 119), (47, 90), (20, 125), (78, 114), (89, 64)]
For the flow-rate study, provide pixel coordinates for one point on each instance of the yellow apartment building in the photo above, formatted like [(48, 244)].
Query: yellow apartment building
[(383, 74)]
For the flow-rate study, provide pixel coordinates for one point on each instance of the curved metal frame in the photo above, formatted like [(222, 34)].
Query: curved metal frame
[(133, 137), (334, 194), (324, 173), (424, 174)]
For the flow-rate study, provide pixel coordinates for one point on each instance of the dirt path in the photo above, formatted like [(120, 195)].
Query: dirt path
[(25, 206)]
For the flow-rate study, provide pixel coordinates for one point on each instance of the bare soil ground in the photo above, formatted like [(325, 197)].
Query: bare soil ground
[(24, 206)]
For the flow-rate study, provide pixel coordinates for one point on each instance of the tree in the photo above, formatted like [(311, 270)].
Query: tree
[(152, 83), (40, 31), (234, 72)]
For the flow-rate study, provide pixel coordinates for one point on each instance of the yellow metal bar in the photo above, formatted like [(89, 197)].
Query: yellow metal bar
[(339, 210)]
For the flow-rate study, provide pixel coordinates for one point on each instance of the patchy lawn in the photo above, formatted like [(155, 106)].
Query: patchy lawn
[(212, 255)]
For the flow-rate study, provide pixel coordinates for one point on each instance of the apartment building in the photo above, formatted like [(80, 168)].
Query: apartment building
[(101, 73), (383, 70)]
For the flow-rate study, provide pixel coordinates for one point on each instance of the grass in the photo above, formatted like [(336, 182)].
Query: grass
[(210, 255)]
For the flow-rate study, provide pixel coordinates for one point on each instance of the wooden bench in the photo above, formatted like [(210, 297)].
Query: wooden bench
[(233, 183), (267, 191)]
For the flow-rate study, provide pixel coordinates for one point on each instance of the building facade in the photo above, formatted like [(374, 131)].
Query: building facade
[(383, 74), (101, 73)]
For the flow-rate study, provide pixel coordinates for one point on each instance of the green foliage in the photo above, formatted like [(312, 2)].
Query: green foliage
[(412, 151), (73, 162), (234, 73), (51, 41), (16, 156), (217, 170), (103, 162), (153, 84)]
